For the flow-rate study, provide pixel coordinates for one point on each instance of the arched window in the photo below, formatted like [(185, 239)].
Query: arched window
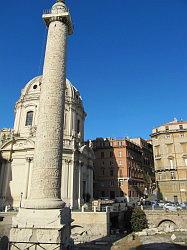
[(29, 118)]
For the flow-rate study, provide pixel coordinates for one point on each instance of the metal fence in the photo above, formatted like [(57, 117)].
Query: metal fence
[(35, 246)]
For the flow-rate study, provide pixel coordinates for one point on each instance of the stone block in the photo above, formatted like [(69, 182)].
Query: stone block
[(42, 226)]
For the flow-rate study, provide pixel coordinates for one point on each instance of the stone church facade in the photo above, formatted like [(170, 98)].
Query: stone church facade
[(17, 149)]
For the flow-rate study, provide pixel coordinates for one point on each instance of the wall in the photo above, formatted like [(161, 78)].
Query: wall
[(88, 226), (156, 218)]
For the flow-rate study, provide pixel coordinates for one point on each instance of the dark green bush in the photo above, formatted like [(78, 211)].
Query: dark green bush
[(138, 220)]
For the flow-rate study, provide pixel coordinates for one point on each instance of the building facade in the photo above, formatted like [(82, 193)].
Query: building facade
[(122, 167), (17, 149), (170, 156)]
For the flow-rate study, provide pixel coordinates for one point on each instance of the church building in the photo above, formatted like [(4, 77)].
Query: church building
[(17, 150)]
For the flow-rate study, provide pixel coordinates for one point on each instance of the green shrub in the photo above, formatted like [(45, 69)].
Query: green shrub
[(138, 220), (127, 219)]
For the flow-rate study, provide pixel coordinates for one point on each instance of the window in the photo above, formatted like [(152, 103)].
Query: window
[(171, 164), (103, 171), (159, 176), (170, 148), (35, 86), (120, 162), (111, 172), (111, 154), (112, 183), (167, 128), (112, 194), (102, 193), (184, 147), (180, 126), (102, 154), (157, 151), (120, 154), (172, 175), (120, 182), (78, 126), (29, 118), (185, 161), (120, 173)]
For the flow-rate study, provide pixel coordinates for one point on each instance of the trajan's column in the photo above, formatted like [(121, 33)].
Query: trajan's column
[(43, 217)]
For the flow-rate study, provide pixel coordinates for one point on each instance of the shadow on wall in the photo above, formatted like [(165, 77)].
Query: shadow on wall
[(4, 243), (9, 200), (6, 197), (160, 246), (6, 177)]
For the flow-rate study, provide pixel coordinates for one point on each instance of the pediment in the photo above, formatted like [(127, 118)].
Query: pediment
[(18, 144)]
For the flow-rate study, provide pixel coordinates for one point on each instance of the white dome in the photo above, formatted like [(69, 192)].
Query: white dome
[(29, 101), (33, 88)]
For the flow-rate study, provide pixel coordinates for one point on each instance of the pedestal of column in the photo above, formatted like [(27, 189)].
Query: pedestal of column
[(50, 228)]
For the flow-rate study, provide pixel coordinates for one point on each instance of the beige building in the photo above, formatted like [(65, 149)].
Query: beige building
[(170, 156), (17, 149)]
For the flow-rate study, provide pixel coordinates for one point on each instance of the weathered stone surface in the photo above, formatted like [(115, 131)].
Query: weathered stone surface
[(89, 226), (43, 226), (46, 178)]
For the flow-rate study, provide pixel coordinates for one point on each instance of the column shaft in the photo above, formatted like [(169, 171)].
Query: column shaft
[(46, 176)]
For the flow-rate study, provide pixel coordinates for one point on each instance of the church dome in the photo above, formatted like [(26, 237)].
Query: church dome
[(26, 109), (33, 88)]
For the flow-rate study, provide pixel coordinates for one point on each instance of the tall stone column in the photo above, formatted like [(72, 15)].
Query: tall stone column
[(2, 178), (80, 184), (43, 217), (46, 174), (28, 174)]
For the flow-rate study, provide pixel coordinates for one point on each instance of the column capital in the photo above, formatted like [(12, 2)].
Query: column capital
[(67, 161), (29, 158)]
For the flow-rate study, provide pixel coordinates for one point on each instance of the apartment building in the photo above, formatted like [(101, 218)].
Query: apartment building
[(122, 167), (170, 156)]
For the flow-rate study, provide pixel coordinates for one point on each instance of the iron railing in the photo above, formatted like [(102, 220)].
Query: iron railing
[(35, 246)]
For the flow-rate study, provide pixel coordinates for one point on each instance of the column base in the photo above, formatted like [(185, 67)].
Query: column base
[(44, 203), (48, 228)]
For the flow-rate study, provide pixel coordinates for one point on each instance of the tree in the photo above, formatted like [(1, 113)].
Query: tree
[(138, 220)]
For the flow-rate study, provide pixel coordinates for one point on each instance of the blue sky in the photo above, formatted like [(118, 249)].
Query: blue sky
[(128, 58)]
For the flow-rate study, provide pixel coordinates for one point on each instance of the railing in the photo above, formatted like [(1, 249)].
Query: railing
[(34, 246)]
